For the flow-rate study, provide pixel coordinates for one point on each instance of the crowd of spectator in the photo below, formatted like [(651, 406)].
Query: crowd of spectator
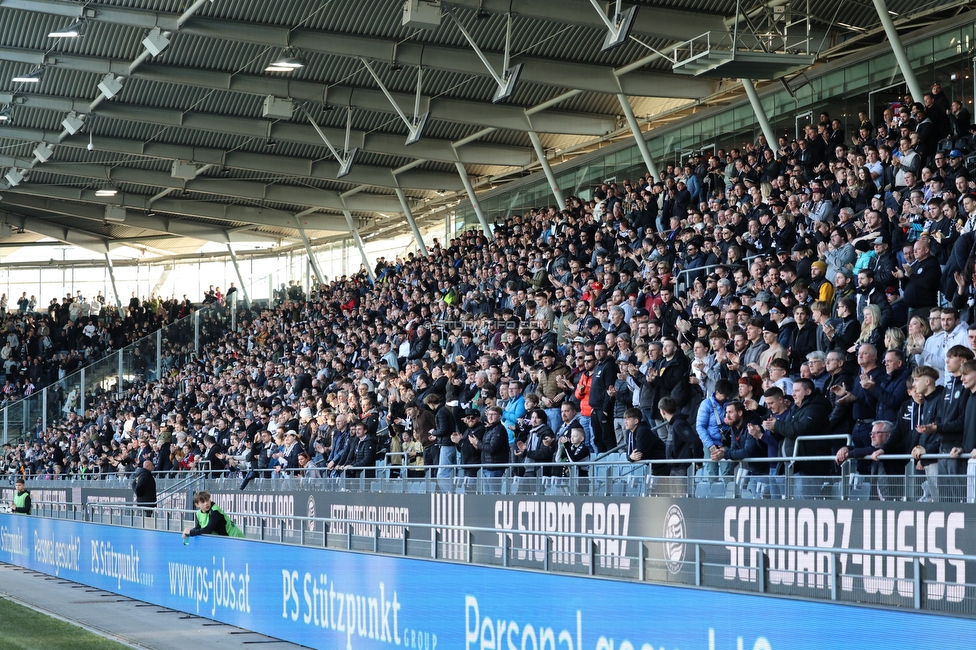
[(42, 345), (749, 298)]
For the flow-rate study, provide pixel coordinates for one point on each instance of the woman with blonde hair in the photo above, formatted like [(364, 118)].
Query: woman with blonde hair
[(870, 332), (894, 339), (918, 332)]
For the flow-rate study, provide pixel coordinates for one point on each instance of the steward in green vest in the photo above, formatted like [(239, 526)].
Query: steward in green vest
[(22, 498), (210, 519)]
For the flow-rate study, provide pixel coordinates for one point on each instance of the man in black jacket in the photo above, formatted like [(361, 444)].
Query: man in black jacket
[(363, 453), (604, 376), (444, 428), (809, 419), (494, 449), (921, 280), (644, 444), (470, 454), (260, 457), (144, 486), (213, 455), (683, 440)]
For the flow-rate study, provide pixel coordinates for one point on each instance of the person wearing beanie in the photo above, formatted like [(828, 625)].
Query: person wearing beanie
[(820, 287)]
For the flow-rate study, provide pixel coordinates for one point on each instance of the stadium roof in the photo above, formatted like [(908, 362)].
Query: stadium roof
[(167, 103)]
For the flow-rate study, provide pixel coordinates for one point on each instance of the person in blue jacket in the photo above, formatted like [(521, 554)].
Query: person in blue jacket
[(711, 425)]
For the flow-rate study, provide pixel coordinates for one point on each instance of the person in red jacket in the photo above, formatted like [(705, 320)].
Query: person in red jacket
[(582, 394)]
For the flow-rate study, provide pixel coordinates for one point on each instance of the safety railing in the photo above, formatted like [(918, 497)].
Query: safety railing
[(763, 568), (611, 476), (681, 277)]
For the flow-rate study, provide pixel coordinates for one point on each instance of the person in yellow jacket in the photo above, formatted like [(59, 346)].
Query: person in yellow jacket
[(22, 498), (820, 287), (210, 519)]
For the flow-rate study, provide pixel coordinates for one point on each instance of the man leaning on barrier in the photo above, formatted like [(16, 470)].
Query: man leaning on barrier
[(210, 519), (886, 475)]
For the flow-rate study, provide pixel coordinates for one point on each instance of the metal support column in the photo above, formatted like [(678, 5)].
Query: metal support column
[(237, 268), (541, 155), (474, 199), (638, 135), (311, 256), (111, 274), (359, 240), (410, 220), (159, 354), (43, 409), (757, 108), (196, 331), (899, 51), (121, 373)]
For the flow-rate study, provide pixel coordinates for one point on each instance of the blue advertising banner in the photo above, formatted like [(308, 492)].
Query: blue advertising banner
[(351, 601)]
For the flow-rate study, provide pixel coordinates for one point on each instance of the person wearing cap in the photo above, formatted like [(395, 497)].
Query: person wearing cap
[(820, 288), (466, 444), (884, 263), (288, 456), (551, 391), (933, 184), (819, 207), (770, 334), (462, 349)]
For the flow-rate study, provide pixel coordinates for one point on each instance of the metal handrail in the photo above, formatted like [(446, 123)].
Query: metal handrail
[(837, 436), (494, 532), (682, 282), (592, 463)]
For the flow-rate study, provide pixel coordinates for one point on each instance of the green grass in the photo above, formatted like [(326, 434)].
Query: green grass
[(21, 628)]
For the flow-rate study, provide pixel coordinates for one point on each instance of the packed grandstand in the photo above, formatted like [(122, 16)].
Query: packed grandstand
[(824, 288)]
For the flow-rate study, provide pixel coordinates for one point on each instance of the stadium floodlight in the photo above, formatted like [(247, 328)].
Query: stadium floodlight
[(72, 123), (618, 28), (156, 41), (71, 31), (110, 85), (508, 77), (43, 152), (32, 77), (14, 177)]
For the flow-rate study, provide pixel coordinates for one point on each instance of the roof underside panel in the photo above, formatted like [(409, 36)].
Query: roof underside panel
[(202, 100)]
